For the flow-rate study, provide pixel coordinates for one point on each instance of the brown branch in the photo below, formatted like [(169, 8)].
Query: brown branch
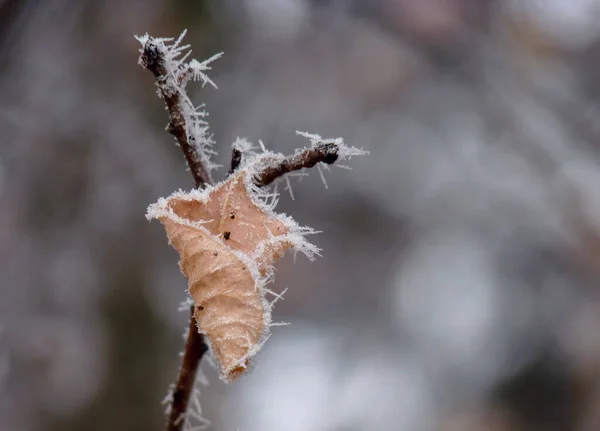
[(195, 348), (195, 345), (153, 60), (324, 152)]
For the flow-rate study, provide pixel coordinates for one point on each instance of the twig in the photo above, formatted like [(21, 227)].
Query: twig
[(195, 346), (152, 59), (323, 152)]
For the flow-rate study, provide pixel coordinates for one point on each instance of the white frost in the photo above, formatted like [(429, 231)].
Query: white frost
[(344, 152), (243, 145)]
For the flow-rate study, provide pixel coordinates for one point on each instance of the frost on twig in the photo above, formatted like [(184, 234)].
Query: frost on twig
[(321, 151), (192, 418), (166, 59), (239, 148)]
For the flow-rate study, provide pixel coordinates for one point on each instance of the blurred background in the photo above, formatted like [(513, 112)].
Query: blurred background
[(458, 288)]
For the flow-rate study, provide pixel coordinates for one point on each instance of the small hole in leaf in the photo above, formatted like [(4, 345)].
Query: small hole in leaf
[(199, 307), (226, 235), (232, 216), (216, 253)]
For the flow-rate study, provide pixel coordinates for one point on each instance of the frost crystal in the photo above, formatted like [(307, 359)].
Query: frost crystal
[(194, 419), (244, 146), (343, 151)]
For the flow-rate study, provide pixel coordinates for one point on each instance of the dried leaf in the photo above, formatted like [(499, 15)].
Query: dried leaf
[(228, 238)]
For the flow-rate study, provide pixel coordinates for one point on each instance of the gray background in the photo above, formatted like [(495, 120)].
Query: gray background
[(458, 285)]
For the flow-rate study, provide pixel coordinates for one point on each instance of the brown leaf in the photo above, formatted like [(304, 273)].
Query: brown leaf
[(228, 238)]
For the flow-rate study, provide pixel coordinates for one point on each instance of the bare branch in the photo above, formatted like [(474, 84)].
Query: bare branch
[(195, 348), (236, 160), (153, 59), (321, 153)]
